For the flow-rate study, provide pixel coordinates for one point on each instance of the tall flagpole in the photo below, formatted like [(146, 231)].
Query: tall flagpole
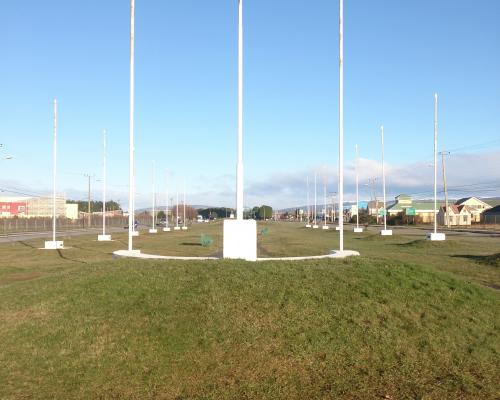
[(54, 175), (104, 183), (435, 159), (308, 224), (357, 188), (383, 177), (341, 124), (239, 167), (131, 216), (315, 199)]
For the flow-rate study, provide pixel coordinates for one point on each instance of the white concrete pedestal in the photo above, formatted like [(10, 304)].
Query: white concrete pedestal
[(103, 238), (153, 230), (51, 245), (337, 228), (436, 236), (166, 229), (184, 228), (343, 254), (240, 239), (325, 227), (315, 226), (308, 225), (358, 230), (135, 233), (386, 232), (177, 228)]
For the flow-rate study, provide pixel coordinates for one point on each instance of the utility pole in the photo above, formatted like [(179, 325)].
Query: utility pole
[(443, 154), (371, 182), (88, 176)]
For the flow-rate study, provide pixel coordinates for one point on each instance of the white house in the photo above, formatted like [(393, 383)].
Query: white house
[(457, 215), (476, 207)]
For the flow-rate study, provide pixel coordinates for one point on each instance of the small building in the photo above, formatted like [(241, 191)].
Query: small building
[(457, 215), (405, 205), (492, 215), (476, 207)]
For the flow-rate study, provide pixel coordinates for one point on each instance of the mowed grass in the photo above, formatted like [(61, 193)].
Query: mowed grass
[(407, 320)]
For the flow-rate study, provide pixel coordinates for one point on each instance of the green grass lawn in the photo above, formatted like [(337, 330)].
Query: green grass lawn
[(409, 319)]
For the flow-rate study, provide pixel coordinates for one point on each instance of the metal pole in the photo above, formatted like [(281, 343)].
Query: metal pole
[(154, 197), (239, 167), (443, 154), (435, 158), (104, 184), (166, 194), (88, 202), (357, 187), (184, 205), (54, 177), (315, 198), (324, 198), (341, 124), (177, 209), (131, 216), (383, 177), (308, 206)]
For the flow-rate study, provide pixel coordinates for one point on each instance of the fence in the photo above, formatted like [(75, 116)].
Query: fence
[(40, 224)]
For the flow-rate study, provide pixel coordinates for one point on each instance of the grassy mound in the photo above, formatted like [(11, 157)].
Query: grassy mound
[(232, 330)]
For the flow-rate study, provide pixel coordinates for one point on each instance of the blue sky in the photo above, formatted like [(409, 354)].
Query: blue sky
[(397, 54)]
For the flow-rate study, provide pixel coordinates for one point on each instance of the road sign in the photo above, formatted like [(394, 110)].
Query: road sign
[(381, 212), (411, 211)]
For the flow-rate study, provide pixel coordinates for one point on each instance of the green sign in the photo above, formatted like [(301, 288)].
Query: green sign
[(381, 212), (411, 211)]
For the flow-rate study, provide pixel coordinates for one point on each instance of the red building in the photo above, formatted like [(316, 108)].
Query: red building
[(13, 208)]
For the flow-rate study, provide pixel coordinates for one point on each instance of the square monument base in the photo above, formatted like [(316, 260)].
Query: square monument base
[(135, 233), (358, 230), (177, 228), (308, 225), (153, 230), (386, 232), (337, 228), (166, 229), (103, 238), (184, 228), (240, 239), (325, 227), (436, 236), (315, 226), (54, 245)]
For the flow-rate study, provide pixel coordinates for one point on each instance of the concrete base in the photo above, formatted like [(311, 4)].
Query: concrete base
[(343, 254), (184, 228), (51, 245), (135, 233), (325, 227), (308, 225), (436, 236), (358, 230), (103, 238), (240, 239), (153, 230), (177, 228), (337, 228), (166, 229), (315, 226), (386, 232)]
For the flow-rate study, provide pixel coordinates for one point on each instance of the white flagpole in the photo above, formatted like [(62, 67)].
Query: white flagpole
[(383, 177), (54, 176), (357, 188), (154, 196), (167, 205), (184, 226), (308, 201), (435, 158), (131, 216), (315, 199), (341, 124), (104, 183), (239, 167)]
